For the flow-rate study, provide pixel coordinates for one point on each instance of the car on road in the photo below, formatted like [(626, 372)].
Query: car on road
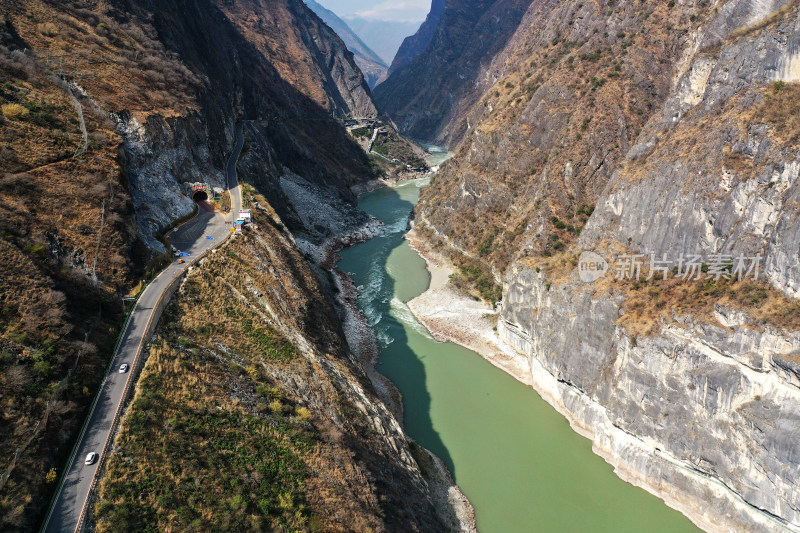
[(181, 261), (91, 457), (123, 368)]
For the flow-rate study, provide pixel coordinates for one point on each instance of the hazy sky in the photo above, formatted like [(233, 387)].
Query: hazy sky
[(392, 10)]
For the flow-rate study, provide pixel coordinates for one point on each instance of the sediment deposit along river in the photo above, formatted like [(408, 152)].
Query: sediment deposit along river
[(514, 456)]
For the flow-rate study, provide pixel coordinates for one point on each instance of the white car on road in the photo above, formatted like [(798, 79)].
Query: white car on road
[(91, 457), (123, 368)]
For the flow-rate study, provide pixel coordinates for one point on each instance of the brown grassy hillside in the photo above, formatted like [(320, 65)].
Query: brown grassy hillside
[(247, 415), (68, 243), (573, 90)]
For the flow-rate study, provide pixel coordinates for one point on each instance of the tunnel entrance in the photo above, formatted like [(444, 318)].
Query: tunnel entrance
[(200, 195)]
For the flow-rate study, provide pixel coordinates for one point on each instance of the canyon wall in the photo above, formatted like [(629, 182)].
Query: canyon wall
[(416, 44), (371, 65), (428, 96), (628, 130), (702, 411)]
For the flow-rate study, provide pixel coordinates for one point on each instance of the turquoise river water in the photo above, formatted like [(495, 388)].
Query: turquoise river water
[(513, 455)]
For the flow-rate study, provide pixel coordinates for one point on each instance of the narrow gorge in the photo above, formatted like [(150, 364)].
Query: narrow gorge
[(539, 273)]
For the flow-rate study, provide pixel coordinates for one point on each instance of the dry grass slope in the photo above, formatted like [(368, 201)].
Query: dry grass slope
[(241, 420)]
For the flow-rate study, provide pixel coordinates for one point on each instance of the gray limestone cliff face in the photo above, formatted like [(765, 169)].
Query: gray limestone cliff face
[(704, 412), (734, 188), (704, 415), (344, 83), (160, 156)]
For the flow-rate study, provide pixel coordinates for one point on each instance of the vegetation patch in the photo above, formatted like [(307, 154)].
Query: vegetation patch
[(781, 109), (188, 463), (476, 277), (648, 303)]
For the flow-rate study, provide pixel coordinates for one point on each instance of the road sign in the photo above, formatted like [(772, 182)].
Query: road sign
[(233, 229), (239, 222)]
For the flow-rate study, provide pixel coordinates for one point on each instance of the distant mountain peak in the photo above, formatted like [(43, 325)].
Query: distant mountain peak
[(370, 63)]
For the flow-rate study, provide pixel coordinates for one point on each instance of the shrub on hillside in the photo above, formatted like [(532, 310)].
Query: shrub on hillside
[(15, 111)]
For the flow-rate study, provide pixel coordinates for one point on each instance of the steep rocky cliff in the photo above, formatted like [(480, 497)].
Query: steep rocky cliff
[(109, 110), (277, 64), (429, 96), (414, 45), (371, 65), (634, 128)]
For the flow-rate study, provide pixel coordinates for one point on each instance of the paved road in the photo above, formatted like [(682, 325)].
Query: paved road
[(73, 492)]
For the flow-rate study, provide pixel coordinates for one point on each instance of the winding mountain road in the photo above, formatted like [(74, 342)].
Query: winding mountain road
[(198, 235)]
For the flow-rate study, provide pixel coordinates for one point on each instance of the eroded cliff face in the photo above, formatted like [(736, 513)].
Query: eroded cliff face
[(278, 65), (640, 129), (416, 44), (715, 170), (371, 65), (702, 412)]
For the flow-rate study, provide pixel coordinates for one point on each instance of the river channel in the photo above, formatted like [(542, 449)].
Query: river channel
[(512, 454)]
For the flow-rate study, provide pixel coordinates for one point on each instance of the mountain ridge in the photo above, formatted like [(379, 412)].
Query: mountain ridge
[(373, 67), (82, 219)]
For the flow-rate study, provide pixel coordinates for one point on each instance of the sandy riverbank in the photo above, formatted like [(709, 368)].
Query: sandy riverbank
[(450, 315)]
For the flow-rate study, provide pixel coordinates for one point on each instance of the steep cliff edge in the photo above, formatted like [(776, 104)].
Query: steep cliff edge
[(416, 44), (371, 65), (277, 64), (646, 129)]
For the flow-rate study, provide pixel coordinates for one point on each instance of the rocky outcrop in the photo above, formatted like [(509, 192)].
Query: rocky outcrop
[(744, 188), (371, 65), (291, 99), (160, 155), (704, 415), (414, 45)]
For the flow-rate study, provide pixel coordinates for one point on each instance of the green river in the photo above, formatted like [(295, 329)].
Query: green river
[(514, 456)]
